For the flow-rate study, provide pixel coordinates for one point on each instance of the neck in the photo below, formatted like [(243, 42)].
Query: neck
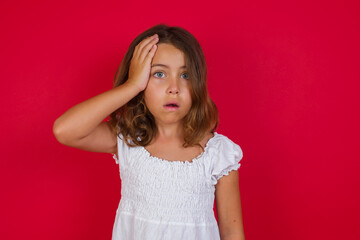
[(170, 132)]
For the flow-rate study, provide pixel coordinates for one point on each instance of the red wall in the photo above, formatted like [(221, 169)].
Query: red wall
[(284, 75)]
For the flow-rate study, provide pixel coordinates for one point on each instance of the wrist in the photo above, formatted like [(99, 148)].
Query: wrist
[(132, 87), (132, 84)]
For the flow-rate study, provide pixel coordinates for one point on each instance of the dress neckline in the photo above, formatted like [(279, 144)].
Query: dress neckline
[(187, 162)]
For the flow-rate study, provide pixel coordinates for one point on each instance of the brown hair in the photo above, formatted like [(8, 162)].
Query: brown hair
[(136, 123)]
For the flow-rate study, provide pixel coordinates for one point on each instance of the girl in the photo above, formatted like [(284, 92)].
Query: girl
[(161, 132)]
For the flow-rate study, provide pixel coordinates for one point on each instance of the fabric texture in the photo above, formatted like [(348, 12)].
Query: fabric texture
[(163, 199)]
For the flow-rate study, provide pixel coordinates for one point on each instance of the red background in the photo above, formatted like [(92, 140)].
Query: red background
[(284, 75)]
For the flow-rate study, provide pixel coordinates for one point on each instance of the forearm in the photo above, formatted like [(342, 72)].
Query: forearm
[(83, 118)]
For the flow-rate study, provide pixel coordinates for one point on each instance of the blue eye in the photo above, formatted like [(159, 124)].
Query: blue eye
[(186, 75), (155, 74), (161, 75)]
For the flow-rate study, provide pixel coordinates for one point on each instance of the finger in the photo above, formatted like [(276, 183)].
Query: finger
[(137, 47), (145, 51), (143, 43), (151, 53)]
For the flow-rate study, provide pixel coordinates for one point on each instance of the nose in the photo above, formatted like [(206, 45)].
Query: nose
[(173, 87)]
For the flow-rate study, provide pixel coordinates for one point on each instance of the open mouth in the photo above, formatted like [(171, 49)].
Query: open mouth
[(171, 105)]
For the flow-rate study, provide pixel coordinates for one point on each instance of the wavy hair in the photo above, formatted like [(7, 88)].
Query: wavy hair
[(136, 123)]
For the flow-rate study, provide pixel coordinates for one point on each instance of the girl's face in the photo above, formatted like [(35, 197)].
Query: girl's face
[(168, 94)]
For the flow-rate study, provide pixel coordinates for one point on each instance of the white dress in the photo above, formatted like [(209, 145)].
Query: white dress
[(173, 200)]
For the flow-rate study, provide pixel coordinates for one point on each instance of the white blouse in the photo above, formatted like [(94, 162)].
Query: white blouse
[(162, 199)]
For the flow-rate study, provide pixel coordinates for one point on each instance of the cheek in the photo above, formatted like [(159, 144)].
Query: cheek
[(148, 100), (188, 88), (188, 94), (150, 96)]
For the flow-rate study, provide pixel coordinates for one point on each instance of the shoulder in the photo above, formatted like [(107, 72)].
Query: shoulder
[(224, 141), (226, 156), (208, 136), (227, 140), (125, 150)]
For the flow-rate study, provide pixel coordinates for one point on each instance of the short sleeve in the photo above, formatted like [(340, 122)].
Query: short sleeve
[(227, 159), (122, 152)]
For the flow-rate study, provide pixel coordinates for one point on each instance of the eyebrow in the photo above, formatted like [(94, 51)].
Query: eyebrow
[(163, 65)]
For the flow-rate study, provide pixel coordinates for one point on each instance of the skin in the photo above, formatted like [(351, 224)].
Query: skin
[(168, 83), (82, 125), (228, 207)]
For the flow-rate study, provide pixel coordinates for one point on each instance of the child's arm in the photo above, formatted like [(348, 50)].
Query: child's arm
[(228, 207), (81, 126)]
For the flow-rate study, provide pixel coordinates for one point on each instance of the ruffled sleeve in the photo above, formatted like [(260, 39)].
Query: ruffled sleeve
[(122, 152), (227, 159)]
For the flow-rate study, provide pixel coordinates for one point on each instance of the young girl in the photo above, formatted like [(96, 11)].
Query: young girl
[(161, 133)]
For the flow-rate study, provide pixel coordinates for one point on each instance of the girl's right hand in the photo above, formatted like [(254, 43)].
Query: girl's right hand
[(140, 64)]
